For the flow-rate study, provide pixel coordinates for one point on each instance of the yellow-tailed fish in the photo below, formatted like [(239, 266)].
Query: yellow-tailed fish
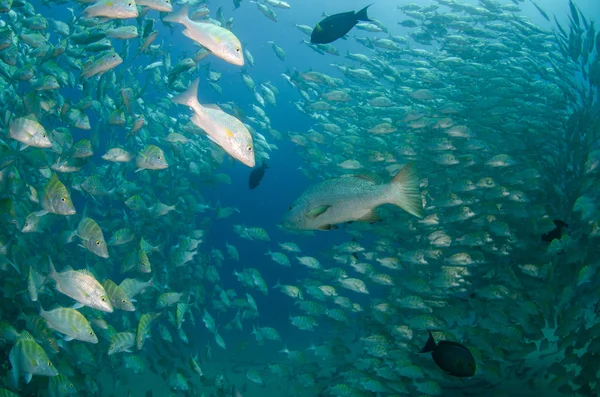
[(216, 39), (225, 130), (116, 9)]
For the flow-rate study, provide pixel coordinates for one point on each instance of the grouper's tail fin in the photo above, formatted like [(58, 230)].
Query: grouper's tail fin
[(362, 14), (404, 190)]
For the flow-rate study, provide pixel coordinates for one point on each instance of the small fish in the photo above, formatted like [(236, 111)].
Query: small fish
[(117, 155), (29, 132), (257, 175), (27, 358), (121, 342), (118, 296), (117, 9), (158, 5), (56, 199), (335, 26), (70, 322), (108, 61), (122, 236), (92, 237), (451, 357), (82, 287), (151, 158)]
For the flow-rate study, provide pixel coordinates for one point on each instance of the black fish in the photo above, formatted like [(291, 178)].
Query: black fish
[(257, 175), (452, 357), (556, 232), (335, 26)]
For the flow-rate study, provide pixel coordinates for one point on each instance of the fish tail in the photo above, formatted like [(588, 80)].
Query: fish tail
[(362, 14), (179, 16), (404, 190), (430, 345), (190, 96)]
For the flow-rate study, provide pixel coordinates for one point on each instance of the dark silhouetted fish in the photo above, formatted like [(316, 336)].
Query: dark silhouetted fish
[(451, 357), (556, 232), (257, 175), (335, 26)]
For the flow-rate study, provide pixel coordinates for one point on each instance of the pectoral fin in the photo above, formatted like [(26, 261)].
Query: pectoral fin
[(315, 212)]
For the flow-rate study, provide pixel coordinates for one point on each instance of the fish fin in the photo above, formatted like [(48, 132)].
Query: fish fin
[(13, 358), (23, 146), (68, 338), (178, 16), (362, 14), (328, 227), (41, 213), (430, 345), (52, 272), (318, 28), (190, 96), (28, 377), (315, 212), (77, 305), (371, 216), (404, 190)]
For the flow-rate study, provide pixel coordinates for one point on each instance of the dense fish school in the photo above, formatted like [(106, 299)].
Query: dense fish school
[(428, 225)]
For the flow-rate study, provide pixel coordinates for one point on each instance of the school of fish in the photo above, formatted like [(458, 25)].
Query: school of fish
[(457, 154)]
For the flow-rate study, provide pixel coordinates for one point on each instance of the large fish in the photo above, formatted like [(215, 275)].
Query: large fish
[(221, 128), (452, 357), (257, 175), (216, 39), (335, 26), (350, 198)]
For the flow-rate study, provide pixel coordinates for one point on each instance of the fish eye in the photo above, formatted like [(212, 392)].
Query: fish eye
[(158, 157), (249, 148), (237, 50), (63, 199), (49, 363), (124, 300), (70, 385), (97, 242), (91, 333), (103, 298), (44, 135)]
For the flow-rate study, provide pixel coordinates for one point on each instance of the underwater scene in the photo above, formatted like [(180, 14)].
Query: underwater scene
[(301, 198)]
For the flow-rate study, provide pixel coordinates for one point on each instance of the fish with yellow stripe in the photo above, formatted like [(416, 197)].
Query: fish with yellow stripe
[(223, 129)]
